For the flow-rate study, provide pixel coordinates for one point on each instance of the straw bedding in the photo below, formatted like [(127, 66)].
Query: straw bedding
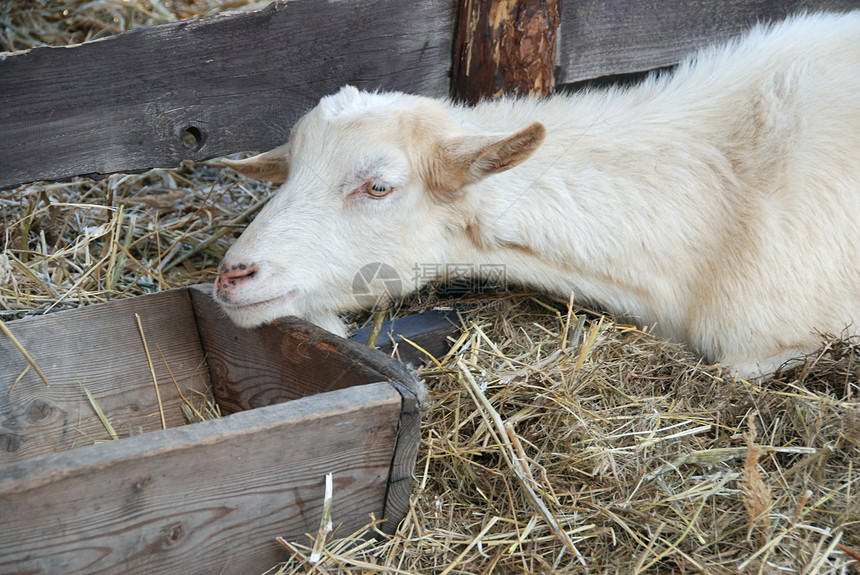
[(554, 439)]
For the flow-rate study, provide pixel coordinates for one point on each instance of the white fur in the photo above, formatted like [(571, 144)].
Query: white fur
[(720, 204)]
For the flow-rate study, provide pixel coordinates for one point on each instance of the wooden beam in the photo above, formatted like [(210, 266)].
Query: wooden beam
[(155, 96), (204, 88), (504, 46)]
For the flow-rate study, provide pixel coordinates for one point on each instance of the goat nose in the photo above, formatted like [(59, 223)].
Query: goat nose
[(234, 273)]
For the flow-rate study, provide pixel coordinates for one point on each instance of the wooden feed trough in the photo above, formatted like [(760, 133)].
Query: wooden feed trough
[(209, 497)]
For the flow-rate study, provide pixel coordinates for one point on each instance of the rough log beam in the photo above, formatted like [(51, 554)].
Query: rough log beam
[(504, 46)]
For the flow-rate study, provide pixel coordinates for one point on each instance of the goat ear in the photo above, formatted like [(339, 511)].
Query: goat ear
[(272, 166), (468, 159)]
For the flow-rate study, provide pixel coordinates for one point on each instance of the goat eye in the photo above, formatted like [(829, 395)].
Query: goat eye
[(377, 190)]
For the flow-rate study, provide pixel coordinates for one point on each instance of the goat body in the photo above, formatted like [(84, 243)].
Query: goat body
[(719, 204)]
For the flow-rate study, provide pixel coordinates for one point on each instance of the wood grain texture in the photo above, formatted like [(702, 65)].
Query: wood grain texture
[(238, 81), (202, 498), (609, 37), (206, 498), (402, 470), (504, 46), (250, 368), (100, 347), (292, 358)]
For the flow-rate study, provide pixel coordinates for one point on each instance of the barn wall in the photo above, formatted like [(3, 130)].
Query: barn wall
[(203, 88), (609, 37)]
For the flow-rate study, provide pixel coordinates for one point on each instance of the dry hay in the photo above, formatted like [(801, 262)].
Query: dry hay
[(79, 242), (553, 440), (28, 24), (646, 460)]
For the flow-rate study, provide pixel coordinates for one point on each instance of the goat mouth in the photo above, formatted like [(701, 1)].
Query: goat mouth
[(231, 305)]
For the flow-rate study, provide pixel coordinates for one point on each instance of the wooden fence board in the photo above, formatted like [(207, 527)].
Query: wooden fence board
[(234, 82), (202, 499), (202, 88), (609, 37)]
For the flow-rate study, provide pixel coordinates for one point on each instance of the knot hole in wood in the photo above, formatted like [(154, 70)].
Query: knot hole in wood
[(192, 138)]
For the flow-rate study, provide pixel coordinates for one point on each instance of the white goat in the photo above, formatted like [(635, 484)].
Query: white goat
[(720, 204)]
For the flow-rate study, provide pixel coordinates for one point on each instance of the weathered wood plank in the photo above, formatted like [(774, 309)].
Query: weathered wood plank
[(608, 37), (100, 347), (402, 470), (206, 498), (226, 83), (292, 358), (250, 368), (198, 89), (504, 46)]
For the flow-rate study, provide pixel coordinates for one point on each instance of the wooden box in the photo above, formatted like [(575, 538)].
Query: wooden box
[(207, 497)]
